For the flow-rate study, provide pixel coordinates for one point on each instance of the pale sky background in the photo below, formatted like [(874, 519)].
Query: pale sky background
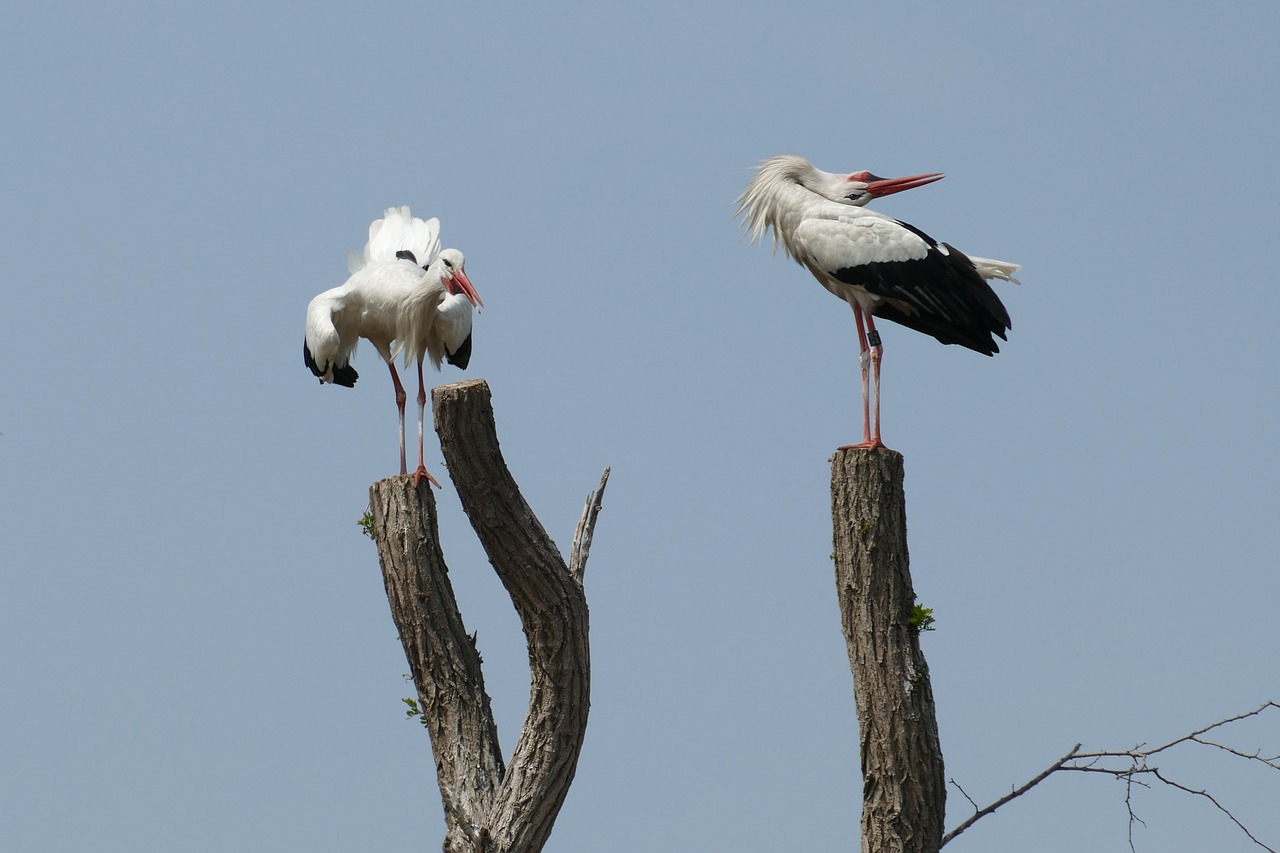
[(195, 648)]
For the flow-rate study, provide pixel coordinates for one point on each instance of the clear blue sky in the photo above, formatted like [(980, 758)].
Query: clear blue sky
[(195, 646)]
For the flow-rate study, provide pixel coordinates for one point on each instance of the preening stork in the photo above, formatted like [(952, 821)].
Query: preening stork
[(404, 294), (880, 266)]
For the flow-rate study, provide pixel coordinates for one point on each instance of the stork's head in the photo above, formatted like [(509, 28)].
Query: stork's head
[(859, 188), (454, 277)]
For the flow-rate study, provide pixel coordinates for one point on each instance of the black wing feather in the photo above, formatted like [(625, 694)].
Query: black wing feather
[(462, 356), (343, 374), (941, 295)]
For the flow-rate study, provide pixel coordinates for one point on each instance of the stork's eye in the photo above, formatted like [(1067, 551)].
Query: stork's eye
[(448, 263)]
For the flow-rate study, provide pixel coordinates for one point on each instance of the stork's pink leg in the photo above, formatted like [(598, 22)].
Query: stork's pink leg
[(401, 397), (422, 408), (862, 363), (877, 353)]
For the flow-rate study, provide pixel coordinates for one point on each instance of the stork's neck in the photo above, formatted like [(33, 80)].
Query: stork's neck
[(785, 191), (794, 204)]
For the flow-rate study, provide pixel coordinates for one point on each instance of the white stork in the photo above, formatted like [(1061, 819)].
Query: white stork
[(391, 299), (435, 321), (880, 266)]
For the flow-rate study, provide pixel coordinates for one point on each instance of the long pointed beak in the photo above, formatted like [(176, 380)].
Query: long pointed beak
[(888, 186), (464, 284)]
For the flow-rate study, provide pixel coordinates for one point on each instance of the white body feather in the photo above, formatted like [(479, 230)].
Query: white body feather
[(434, 322), (392, 302), (989, 269), (397, 231), (367, 306)]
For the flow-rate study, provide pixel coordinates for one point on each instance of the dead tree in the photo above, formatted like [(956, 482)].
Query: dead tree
[(489, 806), (903, 784), (903, 787)]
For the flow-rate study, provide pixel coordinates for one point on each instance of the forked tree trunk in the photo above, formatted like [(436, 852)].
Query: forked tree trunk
[(489, 808), (903, 786)]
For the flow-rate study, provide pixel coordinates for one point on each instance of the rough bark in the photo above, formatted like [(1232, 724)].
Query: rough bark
[(488, 808), (552, 609), (443, 660), (904, 788)]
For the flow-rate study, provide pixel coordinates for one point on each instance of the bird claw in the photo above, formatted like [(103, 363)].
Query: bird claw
[(869, 444), (422, 472)]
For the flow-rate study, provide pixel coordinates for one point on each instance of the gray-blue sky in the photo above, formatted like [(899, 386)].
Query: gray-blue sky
[(197, 651)]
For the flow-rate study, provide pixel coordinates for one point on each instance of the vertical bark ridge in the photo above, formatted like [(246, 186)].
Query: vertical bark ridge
[(552, 608), (443, 660), (904, 786)]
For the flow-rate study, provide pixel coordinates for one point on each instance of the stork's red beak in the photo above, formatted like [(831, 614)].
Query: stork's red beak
[(461, 282), (878, 186)]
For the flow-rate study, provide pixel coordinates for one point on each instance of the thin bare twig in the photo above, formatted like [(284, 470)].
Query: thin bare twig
[(1128, 805), (1016, 792), (1189, 736), (972, 802), (1202, 793), (1273, 761), (1138, 765), (586, 529)]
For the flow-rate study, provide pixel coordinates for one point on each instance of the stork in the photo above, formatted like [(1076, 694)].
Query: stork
[(435, 321), (881, 267), (397, 288)]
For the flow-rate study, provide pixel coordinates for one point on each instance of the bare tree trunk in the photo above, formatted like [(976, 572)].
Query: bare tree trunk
[(443, 660), (489, 808), (903, 785), (552, 607)]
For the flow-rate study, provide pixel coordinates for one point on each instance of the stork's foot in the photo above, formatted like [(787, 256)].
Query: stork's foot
[(869, 444), (420, 474)]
